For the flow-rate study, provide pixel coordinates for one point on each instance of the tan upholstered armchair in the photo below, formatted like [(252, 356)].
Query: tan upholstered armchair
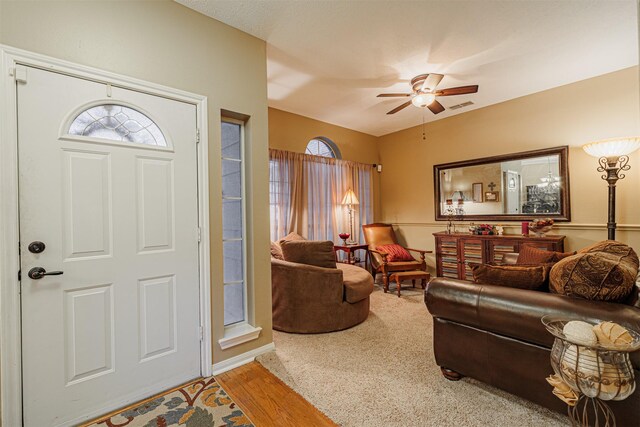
[(378, 234)]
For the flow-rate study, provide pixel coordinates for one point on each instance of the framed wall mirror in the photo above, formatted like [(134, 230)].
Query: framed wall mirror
[(512, 187)]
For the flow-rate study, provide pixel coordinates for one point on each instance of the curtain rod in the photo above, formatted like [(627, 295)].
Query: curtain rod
[(320, 159)]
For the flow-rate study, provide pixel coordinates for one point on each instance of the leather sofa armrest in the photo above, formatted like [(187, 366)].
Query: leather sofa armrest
[(453, 299), (302, 282), (516, 313)]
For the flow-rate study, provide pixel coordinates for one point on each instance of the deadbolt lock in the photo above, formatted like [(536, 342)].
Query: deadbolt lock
[(36, 247)]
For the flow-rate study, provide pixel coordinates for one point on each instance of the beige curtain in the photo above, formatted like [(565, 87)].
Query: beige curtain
[(307, 191), (285, 193)]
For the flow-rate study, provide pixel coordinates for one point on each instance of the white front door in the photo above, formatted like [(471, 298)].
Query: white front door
[(108, 185)]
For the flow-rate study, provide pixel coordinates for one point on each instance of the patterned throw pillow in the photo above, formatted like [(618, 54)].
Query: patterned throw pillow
[(396, 252), (605, 271), (532, 277)]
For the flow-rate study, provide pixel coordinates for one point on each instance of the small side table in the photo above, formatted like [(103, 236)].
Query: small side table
[(350, 250)]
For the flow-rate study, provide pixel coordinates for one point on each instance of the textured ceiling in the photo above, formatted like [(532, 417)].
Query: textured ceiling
[(328, 60)]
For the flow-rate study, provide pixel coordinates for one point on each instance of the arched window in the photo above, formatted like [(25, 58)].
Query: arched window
[(324, 147), (117, 123)]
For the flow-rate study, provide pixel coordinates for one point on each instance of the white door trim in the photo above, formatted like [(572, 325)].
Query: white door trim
[(10, 327)]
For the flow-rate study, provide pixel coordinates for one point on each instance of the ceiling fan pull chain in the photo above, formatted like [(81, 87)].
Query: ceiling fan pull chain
[(424, 136)]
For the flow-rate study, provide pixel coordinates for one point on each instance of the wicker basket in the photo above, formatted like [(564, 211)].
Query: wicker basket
[(596, 371)]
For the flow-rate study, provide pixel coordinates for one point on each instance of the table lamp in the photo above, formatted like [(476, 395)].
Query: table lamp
[(350, 199)]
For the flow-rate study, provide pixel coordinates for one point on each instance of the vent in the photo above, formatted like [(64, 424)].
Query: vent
[(464, 104)]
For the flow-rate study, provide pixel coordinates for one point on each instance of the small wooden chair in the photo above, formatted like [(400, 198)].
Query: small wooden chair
[(378, 234)]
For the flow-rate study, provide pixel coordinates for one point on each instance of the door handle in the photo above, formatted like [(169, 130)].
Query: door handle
[(38, 273)]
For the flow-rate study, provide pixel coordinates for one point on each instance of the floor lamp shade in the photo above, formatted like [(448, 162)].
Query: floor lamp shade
[(614, 147), (613, 158)]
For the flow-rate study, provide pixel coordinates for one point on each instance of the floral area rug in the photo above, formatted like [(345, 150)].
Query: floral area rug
[(202, 403)]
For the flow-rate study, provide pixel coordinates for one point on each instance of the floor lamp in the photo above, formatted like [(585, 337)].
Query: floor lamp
[(350, 199), (613, 157)]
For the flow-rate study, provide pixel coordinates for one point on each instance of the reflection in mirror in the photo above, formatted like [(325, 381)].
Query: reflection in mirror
[(521, 185), (527, 186)]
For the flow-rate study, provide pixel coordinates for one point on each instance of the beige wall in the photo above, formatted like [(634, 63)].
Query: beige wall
[(602, 107), (166, 43), (292, 132)]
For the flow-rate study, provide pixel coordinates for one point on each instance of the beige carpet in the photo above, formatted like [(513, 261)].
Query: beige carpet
[(383, 373)]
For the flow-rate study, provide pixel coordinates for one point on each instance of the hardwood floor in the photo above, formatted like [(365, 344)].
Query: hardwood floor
[(267, 401)]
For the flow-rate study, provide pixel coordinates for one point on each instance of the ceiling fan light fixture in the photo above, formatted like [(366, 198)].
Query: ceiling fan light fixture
[(422, 100), (423, 93)]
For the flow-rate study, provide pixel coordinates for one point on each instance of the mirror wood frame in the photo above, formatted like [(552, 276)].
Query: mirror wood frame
[(563, 164)]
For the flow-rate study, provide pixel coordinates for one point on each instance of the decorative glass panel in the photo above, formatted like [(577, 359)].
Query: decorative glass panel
[(232, 264), (233, 303), (231, 178), (230, 141), (232, 219), (117, 123)]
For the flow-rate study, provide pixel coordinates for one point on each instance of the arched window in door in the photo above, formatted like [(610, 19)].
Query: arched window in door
[(117, 123)]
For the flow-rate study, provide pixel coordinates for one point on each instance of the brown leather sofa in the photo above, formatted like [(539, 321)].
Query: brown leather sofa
[(308, 299), (494, 334)]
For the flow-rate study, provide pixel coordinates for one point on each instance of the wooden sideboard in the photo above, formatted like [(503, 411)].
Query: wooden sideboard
[(455, 251)]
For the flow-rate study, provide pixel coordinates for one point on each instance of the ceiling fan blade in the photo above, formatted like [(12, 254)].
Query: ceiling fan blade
[(457, 90), (392, 95), (435, 107), (400, 107), (430, 83)]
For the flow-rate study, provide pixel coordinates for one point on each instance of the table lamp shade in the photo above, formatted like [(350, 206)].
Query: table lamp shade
[(350, 198), (614, 147)]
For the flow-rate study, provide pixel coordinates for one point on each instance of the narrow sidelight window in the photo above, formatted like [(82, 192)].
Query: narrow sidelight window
[(233, 222)]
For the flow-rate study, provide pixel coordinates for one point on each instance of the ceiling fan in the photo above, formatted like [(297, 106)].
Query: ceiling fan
[(424, 93)]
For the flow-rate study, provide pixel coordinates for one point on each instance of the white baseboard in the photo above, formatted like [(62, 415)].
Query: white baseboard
[(241, 359)]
